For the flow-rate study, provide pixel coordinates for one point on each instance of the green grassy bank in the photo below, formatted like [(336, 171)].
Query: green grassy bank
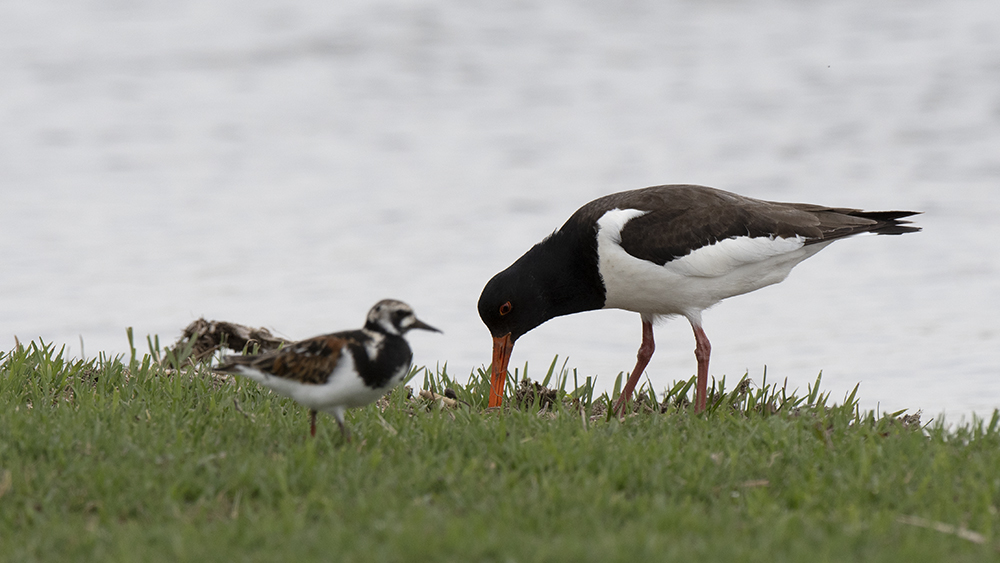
[(121, 459)]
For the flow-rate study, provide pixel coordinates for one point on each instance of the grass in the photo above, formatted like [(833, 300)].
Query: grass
[(122, 459)]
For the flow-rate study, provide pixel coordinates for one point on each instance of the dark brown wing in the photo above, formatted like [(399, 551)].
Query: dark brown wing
[(683, 218), (307, 361)]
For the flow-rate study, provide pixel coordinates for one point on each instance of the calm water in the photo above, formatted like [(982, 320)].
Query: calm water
[(288, 165)]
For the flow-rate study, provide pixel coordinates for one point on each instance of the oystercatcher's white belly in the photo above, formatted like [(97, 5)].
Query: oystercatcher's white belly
[(691, 283)]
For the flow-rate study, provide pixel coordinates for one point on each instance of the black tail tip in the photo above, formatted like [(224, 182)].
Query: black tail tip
[(891, 222)]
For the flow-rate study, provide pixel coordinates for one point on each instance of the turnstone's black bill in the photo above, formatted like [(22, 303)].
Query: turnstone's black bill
[(662, 251), (334, 372)]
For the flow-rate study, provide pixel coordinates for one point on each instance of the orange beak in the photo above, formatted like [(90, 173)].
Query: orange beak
[(502, 347)]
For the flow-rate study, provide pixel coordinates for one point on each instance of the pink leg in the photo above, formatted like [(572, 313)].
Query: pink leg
[(642, 358), (702, 350)]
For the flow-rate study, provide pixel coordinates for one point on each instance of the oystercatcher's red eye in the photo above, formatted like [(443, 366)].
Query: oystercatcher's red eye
[(505, 308)]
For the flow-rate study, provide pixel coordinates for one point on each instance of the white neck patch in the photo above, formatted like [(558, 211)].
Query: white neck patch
[(610, 225)]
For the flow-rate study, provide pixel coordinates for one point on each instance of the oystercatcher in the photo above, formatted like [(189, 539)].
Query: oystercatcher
[(336, 371), (662, 251)]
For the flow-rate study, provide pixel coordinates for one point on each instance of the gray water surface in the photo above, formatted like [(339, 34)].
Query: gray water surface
[(287, 165)]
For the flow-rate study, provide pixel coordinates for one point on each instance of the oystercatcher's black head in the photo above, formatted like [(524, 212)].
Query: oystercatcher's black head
[(557, 276), (512, 303)]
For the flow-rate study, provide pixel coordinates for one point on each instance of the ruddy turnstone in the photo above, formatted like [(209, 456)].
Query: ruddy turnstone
[(662, 251), (334, 372)]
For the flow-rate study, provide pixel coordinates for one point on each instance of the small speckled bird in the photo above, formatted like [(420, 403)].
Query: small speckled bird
[(334, 372)]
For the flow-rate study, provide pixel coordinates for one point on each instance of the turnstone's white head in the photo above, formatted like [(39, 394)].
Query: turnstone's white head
[(394, 317)]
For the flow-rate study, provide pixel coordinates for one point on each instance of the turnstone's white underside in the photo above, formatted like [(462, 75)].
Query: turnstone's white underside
[(344, 389)]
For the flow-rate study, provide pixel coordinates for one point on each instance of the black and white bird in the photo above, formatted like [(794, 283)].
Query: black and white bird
[(662, 251), (334, 372)]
